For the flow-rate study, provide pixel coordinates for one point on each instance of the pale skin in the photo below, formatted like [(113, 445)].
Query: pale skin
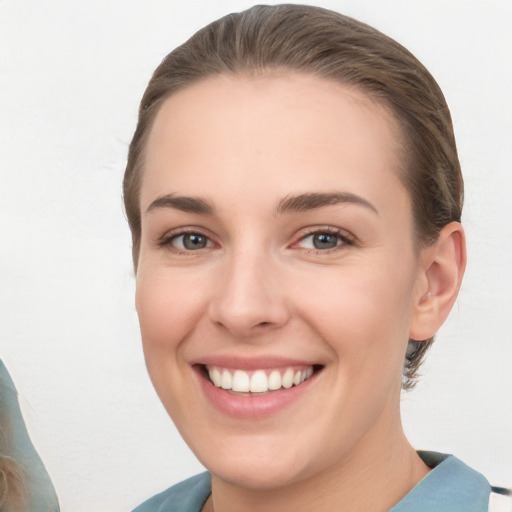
[(334, 278)]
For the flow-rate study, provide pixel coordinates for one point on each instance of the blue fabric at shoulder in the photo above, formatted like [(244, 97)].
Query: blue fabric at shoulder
[(38, 489), (451, 485), (187, 496)]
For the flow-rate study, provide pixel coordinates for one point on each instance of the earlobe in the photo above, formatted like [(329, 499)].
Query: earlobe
[(443, 265)]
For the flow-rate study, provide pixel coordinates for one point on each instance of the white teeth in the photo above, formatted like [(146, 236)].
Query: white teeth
[(226, 381), (216, 377), (274, 380), (287, 379), (240, 381), (259, 381)]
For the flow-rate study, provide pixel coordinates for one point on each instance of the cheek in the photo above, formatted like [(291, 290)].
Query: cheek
[(167, 314), (364, 316), (167, 309)]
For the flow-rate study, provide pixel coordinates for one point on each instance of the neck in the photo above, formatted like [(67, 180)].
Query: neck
[(373, 478)]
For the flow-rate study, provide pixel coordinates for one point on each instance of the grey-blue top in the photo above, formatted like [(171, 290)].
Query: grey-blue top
[(40, 492), (451, 486)]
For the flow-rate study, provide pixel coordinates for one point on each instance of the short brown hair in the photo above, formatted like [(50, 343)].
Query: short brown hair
[(335, 47)]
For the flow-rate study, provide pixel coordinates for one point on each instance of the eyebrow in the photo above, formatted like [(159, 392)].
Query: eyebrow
[(289, 204), (183, 203), (314, 200)]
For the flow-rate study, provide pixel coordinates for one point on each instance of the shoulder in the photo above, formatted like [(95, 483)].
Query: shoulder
[(20, 464), (451, 485), (187, 496)]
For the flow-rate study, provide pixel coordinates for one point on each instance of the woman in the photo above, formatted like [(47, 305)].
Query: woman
[(294, 195)]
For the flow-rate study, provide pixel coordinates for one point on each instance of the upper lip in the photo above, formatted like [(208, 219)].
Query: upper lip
[(252, 363)]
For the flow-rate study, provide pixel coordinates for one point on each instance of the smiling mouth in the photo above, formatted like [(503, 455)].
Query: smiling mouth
[(259, 381)]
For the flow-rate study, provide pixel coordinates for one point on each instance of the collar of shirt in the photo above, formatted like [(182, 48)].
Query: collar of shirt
[(451, 485)]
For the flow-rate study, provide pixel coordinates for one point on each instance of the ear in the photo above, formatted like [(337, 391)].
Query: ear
[(442, 267)]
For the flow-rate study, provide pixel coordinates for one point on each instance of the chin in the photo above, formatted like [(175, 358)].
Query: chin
[(262, 463), (257, 475)]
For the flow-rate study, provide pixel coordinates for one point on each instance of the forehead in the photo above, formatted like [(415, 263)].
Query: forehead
[(288, 130)]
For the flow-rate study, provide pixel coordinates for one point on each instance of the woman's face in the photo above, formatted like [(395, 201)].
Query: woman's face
[(278, 277)]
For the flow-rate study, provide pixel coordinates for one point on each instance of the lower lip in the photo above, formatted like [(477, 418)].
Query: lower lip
[(254, 405)]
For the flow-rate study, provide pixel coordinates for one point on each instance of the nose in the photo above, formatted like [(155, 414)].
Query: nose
[(250, 299)]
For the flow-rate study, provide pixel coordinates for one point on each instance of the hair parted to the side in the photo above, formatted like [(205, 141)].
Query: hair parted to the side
[(330, 45)]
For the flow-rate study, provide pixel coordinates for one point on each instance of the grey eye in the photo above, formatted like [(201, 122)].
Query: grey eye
[(325, 240), (193, 241)]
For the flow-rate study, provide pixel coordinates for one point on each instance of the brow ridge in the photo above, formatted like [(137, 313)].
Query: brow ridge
[(184, 203), (315, 200)]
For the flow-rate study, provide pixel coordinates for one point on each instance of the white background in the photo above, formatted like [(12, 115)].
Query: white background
[(72, 74)]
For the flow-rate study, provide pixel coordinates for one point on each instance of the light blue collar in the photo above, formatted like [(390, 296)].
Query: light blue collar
[(450, 486)]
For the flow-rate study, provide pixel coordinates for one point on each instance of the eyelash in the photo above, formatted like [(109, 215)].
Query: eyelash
[(167, 240), (344, 239)]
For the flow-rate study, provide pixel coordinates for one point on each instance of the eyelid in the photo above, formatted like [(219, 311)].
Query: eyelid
[(165, 241), (346, 238)]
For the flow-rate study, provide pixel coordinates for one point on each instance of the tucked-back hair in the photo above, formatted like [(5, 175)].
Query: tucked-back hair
[(317, 41)]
